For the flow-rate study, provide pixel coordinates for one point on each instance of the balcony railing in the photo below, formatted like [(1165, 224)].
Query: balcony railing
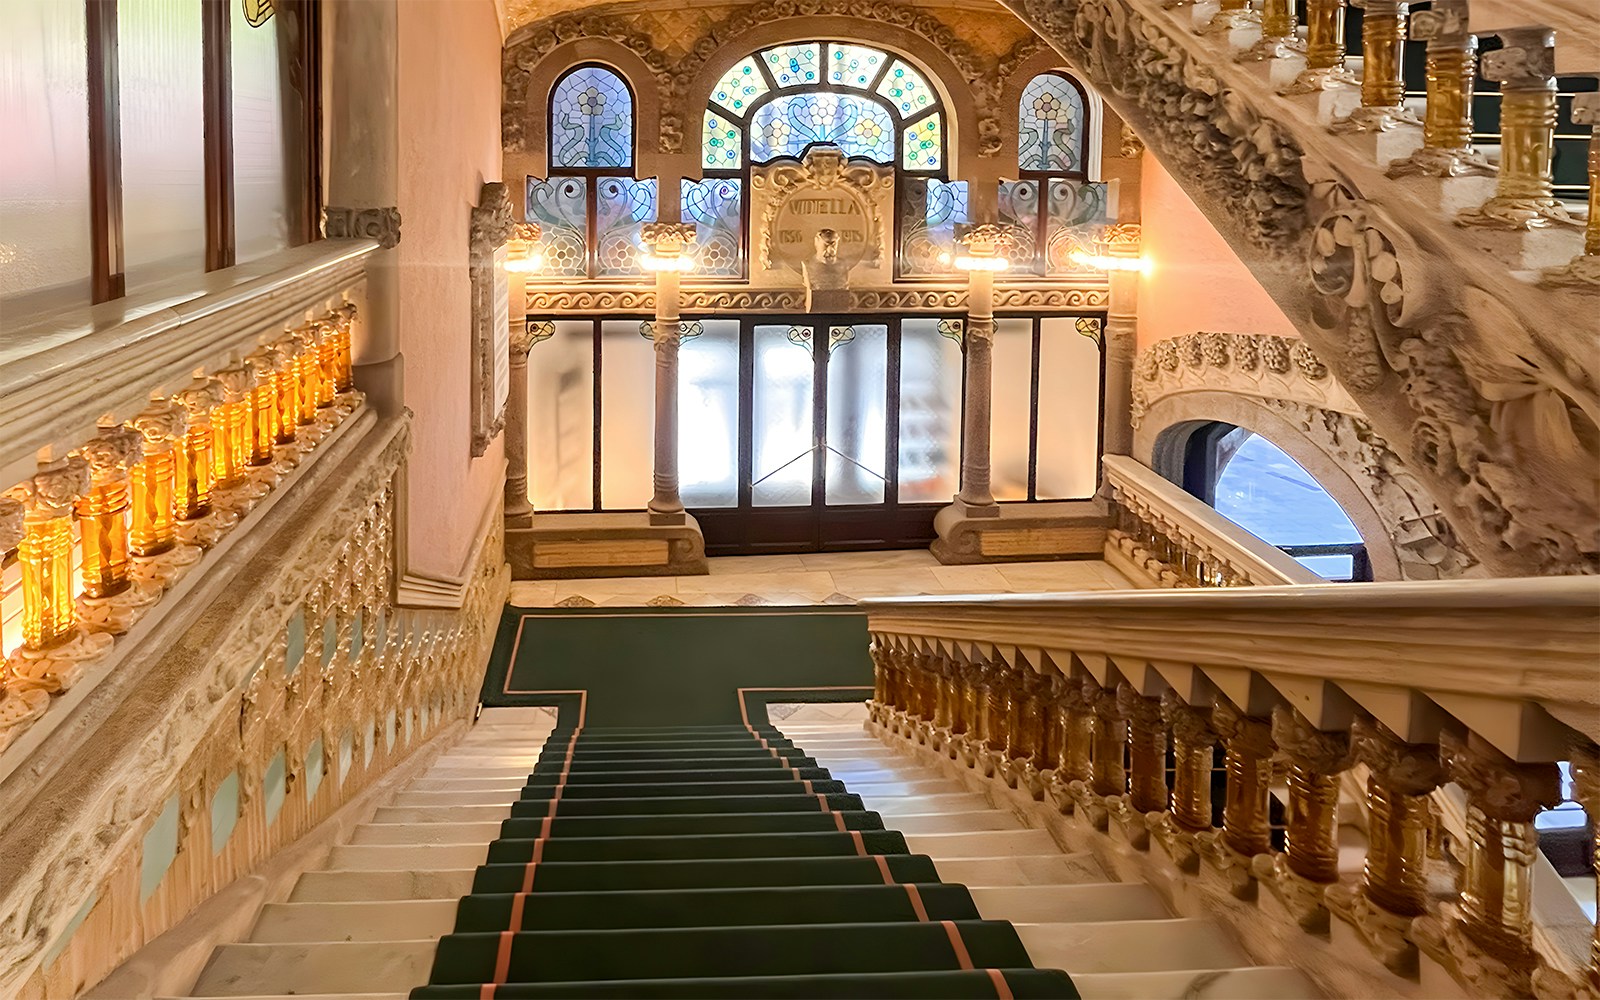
[(1426, 720)]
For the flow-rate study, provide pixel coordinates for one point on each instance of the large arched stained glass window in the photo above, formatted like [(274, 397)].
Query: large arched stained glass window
[(591, 120), (1050, 126)]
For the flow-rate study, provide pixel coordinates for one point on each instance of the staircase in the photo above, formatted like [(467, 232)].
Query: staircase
[(715, 863)]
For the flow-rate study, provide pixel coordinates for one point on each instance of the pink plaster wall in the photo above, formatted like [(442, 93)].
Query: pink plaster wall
[(449, 114), (1195, 281)]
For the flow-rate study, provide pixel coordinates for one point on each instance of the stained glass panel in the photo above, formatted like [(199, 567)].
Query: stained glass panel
[(854, 65), (907, 89), (930, 209), (1050, 125), (1078, 214), (739, 86), (923, 147), (787, 125), (714, 205), (622, 207), (591, 120), (1019, 206), (795, 65), (721, 143), (560, 207)]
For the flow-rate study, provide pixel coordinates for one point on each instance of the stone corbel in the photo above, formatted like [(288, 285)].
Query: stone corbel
[(491, 225), (381, 224)]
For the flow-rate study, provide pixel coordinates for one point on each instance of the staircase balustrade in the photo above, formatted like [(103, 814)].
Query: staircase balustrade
[(1433, 715)]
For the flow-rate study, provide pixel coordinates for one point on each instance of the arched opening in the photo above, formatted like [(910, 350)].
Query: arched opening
[(1258, 486)]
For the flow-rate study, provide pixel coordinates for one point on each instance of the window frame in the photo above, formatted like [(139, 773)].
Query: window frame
[(1041, 178), (593, 175)]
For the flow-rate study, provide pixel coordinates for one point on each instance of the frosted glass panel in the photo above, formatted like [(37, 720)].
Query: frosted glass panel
[(930, 413), (44, 160), (782, 429), (561, 418), (1008, 437), (261, 196), (708, 415), (1069, 411), (858, 370), (627, 414), (163, 156)]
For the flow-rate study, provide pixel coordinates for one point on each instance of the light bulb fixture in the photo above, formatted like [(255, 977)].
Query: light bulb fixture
[(652, 262), (531, 263), (967, 262), (1102, 262)]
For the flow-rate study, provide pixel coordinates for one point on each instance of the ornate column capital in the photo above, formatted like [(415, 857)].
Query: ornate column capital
[(381, 224), (1445, 23), (1503, 789), (667, 239), (1241, 732), (54, 486), (1320, 751), (1406, 768), (12, 514), (160, 422), (200, 397), (1123, 239), (989, 239), (113, 451), (1525, 61)]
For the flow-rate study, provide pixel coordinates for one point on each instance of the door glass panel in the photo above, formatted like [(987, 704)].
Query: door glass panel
[(781, 409), (1009, 415), (708, 414), (930, 410), (1069, 409), (858, 372), (627, 414), (561, 418)]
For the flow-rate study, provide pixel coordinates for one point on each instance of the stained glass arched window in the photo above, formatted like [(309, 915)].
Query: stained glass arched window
[(1051, 123), (591, 120)]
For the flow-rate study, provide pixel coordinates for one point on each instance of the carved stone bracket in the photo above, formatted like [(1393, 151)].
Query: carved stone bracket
[(491, 225), (381, 224)]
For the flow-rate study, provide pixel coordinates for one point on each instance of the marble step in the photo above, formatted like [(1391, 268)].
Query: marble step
[(383, 920), (1037, 869), (1264, 983), (1173, 944), (953, 822), (242, 970), (983, 844), (927, 805), (870, 790), (1040, 904), (440, 799), (441, 814), (406, 857), (446, 770), (508, 784), (426, 833), (362, 886), (313, 996)]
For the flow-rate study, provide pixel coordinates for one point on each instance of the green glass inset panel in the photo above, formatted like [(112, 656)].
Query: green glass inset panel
[(347, 754), (794, 65), (739, 86), (380, 631), (274, 786), (923, 145), (314, 768), (224, 812), (369, 743), (907, 89), (296, 650), (721, 143), (159, 848), (854, 65)]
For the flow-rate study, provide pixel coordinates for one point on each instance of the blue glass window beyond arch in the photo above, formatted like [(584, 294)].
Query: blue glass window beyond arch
[(791, 122), (591, 120)]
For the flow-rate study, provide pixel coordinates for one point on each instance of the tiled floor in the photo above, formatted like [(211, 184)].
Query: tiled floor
[(819, 578)]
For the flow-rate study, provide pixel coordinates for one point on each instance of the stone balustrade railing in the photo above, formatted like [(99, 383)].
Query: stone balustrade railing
[(1111, 715), (1164, 537), (138, 441)]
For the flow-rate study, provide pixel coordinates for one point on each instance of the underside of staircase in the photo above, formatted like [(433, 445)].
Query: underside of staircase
[(533, 861)]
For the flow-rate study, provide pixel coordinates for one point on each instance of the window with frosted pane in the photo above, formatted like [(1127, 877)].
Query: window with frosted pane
[(930, 210), (627, 413), (260, 157), (858, 407), (714, 206), (708, 414), (591, 120), (44, 161), (561, 418), (1050, 125), (1011, 414), (1074, 215), (1067, 462), (930, 409), (622, 207), (161, 94), (560, 207), (781, 400)]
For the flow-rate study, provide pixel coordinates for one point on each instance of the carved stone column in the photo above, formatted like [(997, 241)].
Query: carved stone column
[(1447, 124), (1486, 936), (667, 242), (1193, 750), (1383, 89), (1524, 188), (1310, 862), (1325, 50), (983, 254), (193, 479), (1122, 243), (524, 334), (111, 602), (1584, 270), (1147, 751), (1074, 762), (153, 535), (1245, 827)]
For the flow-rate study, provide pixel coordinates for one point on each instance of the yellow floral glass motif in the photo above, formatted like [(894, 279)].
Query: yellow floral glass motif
[(922, 147)]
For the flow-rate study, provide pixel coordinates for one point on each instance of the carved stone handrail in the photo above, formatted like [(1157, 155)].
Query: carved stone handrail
[(58, 377), (1164, 532), (1387, 694)]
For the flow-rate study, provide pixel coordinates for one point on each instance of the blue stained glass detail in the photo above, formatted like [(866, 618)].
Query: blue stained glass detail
[(740, 86), (560, 207), (1050, 121), (930, 210), (591, 120), (907, 88), (713, 205), (853, 65), (924, 144), (622, 207), (794, 65), (720, 143), (787, 125)]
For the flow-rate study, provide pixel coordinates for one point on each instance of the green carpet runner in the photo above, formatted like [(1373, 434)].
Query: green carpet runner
[(713, 862)]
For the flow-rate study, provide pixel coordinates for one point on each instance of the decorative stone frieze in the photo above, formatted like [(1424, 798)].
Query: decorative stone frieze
[(381, 224)]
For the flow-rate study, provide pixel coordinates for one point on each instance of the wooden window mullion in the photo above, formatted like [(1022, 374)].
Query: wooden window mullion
[(217, 50), (105, 152)]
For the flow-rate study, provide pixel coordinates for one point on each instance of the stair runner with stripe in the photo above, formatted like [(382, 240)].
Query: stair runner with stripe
[(713, 862)]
